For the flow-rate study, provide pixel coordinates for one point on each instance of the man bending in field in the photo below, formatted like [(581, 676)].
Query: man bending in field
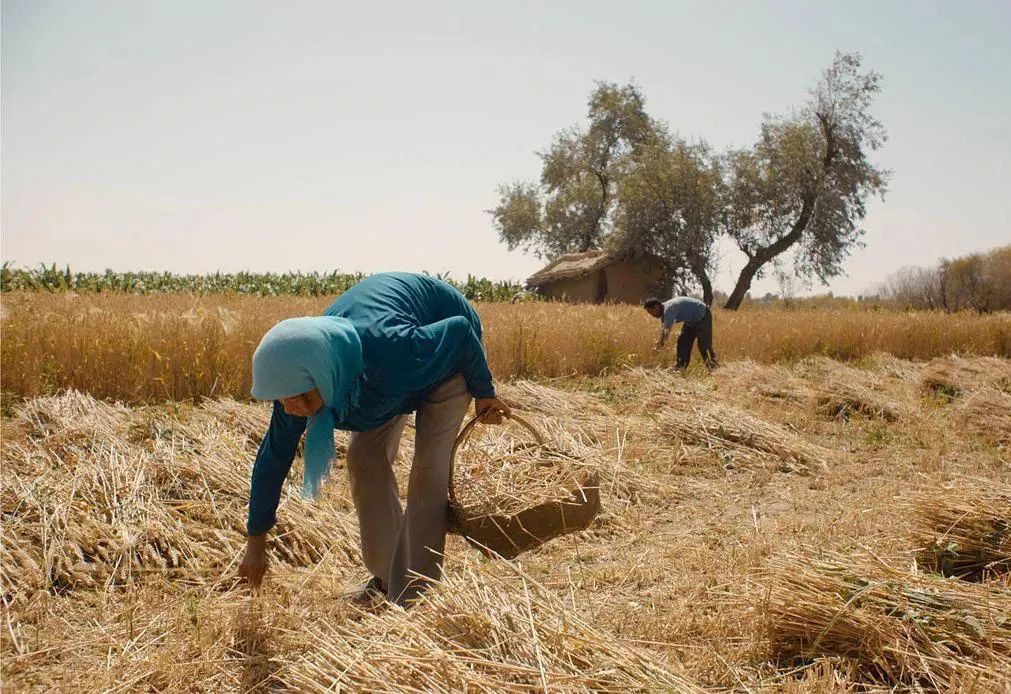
[(393, 344), (697, 324)]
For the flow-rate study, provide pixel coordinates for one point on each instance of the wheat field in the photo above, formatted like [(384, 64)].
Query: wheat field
[(807, 526), (147, 349)]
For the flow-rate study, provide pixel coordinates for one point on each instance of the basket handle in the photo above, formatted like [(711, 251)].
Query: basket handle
[(468, 429)]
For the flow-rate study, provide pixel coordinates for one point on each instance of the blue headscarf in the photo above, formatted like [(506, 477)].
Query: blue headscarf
[(300, 354)]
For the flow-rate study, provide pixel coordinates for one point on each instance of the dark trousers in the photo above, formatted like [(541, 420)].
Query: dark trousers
[(702, 331)]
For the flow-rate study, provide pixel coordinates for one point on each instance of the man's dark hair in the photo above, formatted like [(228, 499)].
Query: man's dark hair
[(651, 302)]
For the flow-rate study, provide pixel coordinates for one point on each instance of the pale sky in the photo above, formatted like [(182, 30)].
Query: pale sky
[(271, 136)]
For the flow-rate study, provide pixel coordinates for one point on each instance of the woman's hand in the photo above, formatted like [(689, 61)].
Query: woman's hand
[(254, 562), (490, 410)]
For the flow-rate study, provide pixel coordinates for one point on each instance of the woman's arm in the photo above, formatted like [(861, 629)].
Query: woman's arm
[(273, 462), (457, 341), (450, 346)]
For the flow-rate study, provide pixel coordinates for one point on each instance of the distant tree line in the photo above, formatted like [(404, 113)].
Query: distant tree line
[(626, 182), (979, 282)]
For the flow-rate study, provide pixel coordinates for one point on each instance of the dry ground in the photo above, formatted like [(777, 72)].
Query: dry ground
[(769, 528)]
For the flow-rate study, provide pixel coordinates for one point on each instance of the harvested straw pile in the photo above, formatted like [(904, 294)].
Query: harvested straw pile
[(774, 383), (892, 367), (528, 396), (734, 432), (95, 496), (840, 391), (952, 377), (893, 627), (842, 400), (165, 634), (251, 421), (987, 414), (964, 529), (488, 628), (121, 532), (481, 630), (581, 411), (640, 391)]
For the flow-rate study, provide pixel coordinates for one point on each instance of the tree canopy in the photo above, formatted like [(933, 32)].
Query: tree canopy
[(626, 183), (804, 185), (571, 209), (671, 207)]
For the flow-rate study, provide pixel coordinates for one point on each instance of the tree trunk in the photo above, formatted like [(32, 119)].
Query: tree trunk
[(942, 281), (707, 286), (707, 291), (766, 253), (748, 273)]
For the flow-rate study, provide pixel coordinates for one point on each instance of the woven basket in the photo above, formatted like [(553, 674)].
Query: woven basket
[(507, 535)]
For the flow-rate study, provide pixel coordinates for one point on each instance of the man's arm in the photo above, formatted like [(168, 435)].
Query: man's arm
[(667, 322), (273, 462), (661, 340)]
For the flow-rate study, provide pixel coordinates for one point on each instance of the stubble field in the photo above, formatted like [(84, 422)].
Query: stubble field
[(790, 523)]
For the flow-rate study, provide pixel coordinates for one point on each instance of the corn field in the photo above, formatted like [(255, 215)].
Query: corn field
[(51, 278)]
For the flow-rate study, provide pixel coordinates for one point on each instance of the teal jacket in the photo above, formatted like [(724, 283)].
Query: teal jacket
[(416, 331)]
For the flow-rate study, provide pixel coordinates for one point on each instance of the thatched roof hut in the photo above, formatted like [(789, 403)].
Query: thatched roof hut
[(597, 276)]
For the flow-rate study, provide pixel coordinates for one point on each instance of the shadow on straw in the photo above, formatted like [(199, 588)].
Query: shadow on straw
[(250, 640)]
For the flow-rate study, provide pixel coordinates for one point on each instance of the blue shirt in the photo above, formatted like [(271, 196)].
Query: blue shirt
[(416, 332), (682, 309)]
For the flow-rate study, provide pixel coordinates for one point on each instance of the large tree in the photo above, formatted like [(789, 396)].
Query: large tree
[(671, 207), (804, 186), (571, 209)]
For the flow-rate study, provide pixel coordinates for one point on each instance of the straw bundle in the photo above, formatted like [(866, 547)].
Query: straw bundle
[(953, 376), (583, 412), (840, 391), (774, 383), (964, 529), (480, 630), (509, 493), (892, 367), (642, 391), (251, 420), (842, 400), (895, 628), (528, 396), (87, 504), (733, 431), (987, 414)]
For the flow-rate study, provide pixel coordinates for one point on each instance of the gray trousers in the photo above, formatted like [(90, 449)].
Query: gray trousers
[(404, 549)]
